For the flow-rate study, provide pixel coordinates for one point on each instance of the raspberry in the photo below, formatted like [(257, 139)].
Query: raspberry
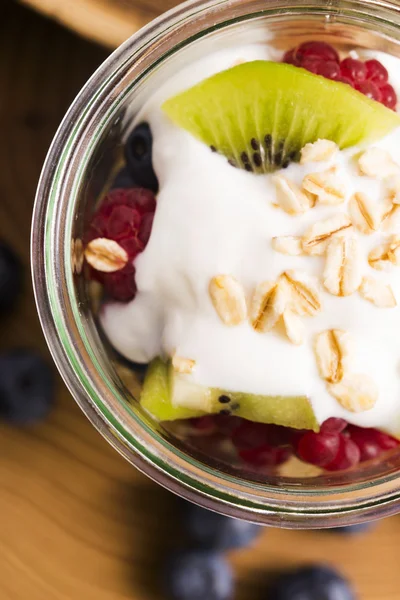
[(144, 201), (369, 89), (321, 50), (133, 246), (388, 96), (265, 456), (353, 69), (145, 228), (318, 448), (328, 69), (311, 63), (369, 77), (122, 221), (333, 425), (126, 216), (346, 80), (290, 57), (376, 72), (348, 455), (121, 284), (140, 198)]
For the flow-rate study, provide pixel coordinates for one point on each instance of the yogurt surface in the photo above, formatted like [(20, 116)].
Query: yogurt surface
[(213, 219)]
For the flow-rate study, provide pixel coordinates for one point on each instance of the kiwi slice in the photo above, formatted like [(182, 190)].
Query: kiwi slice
[(260, 114), (169, 396)]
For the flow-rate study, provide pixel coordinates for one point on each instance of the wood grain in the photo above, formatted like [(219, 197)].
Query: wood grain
[(76, 521), (109, 22)]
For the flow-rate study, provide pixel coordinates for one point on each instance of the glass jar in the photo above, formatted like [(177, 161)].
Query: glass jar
[(84, 155)]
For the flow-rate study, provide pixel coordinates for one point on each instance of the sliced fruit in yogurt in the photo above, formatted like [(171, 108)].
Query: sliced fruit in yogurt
[(169, 395), (260, 114)]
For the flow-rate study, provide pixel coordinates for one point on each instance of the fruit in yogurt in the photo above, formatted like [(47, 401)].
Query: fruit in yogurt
[(260, 114), (168, 395), (371, 78), (118, 233)]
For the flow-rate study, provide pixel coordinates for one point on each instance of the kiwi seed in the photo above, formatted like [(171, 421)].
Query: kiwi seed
[(224, 399)]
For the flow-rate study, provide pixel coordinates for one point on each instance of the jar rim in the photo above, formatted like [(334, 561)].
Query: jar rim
[(95, 107)]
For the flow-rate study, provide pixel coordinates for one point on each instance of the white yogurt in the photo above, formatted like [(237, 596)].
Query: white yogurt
[(213, 219)]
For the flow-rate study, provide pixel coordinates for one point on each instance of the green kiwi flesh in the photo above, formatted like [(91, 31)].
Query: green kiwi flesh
[(260, 114), (169, 396)]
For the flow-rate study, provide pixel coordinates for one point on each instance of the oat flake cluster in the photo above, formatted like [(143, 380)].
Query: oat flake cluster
[(296, 294)]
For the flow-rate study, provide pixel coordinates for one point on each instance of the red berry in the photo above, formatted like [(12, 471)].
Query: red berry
[(319, 49), (333, 425), (388, 96), (122, 222), (249, 435), (318, 448), (385, 441), (290, 57), (376, 72), (145, 228), (369, 78), (314, 64), (347, 456), (126, 216), (133, 246), (96, 229), (329, 69), (372, 442), (278, 435), (227, 424), (294, 436), (353, 69), (311, 63), (204, 424), (368, 446), (344, 80), (265, 456), (121, 284), (144, 200), (369, 89)]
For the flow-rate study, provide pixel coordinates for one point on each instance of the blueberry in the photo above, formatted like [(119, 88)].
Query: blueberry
[(26, 387), (352, 529), (198, 575), (317, 582), (211, 530), (138, 154), (10, 277), (123, 179)]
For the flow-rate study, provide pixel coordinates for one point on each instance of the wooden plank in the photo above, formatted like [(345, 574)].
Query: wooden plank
[(109, 22), (76, 521)]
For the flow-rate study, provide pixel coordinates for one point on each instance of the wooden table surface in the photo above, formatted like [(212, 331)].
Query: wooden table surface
[(110, 22), (76, 521)]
